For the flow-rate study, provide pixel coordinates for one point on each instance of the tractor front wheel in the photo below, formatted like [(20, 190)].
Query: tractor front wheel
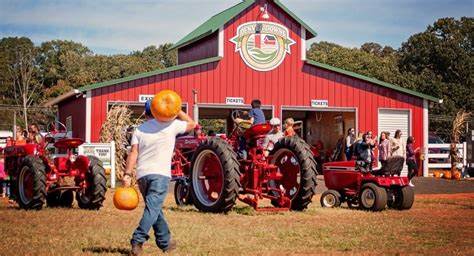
[(215, 179), (331, 199), (93, 195), (372, 197), (182, 193), (31, 193), (60, 199), (295, 162)]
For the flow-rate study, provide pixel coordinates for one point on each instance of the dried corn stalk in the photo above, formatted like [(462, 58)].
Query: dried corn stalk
[(459, 123), (115, 129)]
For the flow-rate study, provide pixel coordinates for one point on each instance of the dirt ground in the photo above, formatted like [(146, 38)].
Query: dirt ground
[(441, 224)]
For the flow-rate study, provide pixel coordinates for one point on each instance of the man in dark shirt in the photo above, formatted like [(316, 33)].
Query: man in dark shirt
[(256, 114)]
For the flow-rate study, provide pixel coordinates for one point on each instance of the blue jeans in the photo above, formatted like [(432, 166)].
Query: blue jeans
[(154, 189)]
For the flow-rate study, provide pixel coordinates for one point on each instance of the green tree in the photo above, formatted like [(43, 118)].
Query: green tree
[(443, 55)]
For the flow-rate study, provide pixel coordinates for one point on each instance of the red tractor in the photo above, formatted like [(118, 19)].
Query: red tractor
[(212, 176), (40, 176), (368, 190)]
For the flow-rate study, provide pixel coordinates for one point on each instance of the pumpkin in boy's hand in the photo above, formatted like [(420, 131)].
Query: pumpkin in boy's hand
[(457, 175), (166, 105), (126, 199)]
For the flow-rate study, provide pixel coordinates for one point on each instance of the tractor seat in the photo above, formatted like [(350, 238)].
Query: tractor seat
[(257, 130), (394, 166), (68, 143)]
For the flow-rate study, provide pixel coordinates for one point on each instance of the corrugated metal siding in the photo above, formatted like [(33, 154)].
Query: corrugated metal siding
[(75, 107), (204, 48), (292, 83)]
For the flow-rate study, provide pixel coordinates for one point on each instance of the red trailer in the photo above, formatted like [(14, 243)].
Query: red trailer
[(257, 49)]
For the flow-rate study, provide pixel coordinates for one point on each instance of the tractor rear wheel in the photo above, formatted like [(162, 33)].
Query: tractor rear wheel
[(92, 197), (331, 199), (31, 192), (215, 178), (60, 199), (404, 198), (372, 197), (293, 157)]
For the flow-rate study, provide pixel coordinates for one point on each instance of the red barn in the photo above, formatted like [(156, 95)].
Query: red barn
[(257, 50)]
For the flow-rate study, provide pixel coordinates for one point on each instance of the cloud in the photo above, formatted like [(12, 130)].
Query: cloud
[(125, 25)]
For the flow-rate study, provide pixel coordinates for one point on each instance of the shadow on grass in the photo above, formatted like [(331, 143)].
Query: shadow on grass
[(180, 209), (98, 249)]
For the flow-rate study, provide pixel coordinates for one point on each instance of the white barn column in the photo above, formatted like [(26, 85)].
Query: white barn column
[(426, 124), (221, 42), (303, 43), (88, 115)]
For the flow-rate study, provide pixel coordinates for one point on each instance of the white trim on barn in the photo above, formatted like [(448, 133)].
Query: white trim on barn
[(88, 115), (426, 125), (303, 43), (221, 42)]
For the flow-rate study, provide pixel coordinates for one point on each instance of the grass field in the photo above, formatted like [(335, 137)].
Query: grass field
[(437, 224)]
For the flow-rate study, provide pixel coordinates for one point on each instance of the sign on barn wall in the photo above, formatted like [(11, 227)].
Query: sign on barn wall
[(234, 101), (142, 98), (262, 45), (319, 103)]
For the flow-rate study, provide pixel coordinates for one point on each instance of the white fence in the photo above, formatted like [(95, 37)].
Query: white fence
[(446, 161)]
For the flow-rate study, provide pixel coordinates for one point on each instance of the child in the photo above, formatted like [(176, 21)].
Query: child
[(256, 114), (411, 160), (289, 130), (4, 179), (152, 150)]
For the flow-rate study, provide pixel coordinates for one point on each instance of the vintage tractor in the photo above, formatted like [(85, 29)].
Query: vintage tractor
[(50, 172), (212, 176), (368, 190)]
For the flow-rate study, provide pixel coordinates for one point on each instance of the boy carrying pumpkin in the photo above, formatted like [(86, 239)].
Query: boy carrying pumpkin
[(152, 149)]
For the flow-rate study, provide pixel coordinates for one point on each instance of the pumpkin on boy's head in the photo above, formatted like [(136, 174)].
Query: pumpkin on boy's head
[(166, 105)]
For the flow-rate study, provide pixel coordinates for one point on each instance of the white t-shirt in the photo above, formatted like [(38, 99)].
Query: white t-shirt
[(156, 142)]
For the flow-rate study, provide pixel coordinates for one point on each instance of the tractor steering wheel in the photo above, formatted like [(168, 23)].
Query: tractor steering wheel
[(53, 131), (236, 118)]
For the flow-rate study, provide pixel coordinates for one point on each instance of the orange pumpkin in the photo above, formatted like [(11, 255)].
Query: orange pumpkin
[(126, 199), (447, 175), (166, 105), (457, 175), (437, 174)]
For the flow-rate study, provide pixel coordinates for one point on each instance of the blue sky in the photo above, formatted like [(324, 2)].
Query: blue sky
[(121, 26)]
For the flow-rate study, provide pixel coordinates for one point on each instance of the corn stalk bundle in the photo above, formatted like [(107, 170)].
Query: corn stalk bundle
[(459, 123), (115, 129)]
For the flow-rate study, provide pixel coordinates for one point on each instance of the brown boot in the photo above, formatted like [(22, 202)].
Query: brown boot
[(137, 249), (171, 246)]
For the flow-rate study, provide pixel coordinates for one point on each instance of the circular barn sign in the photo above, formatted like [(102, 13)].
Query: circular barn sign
[(262, 45)]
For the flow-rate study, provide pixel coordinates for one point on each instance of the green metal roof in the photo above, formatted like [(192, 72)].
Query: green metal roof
[(215, 22), (374, 81), (148, 74)]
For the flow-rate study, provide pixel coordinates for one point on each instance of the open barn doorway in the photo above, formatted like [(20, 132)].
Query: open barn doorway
[(323, 129), (215, 119)]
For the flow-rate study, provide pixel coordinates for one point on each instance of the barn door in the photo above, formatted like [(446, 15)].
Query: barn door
[(391, 120)]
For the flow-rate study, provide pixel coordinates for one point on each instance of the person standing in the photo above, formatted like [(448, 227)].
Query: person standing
[(275, 134), (384, 148), (350, 139), (34, 135), (411, 159), (152, 149), (20, 136), (364, 151), (289, 130), (397, 147)]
